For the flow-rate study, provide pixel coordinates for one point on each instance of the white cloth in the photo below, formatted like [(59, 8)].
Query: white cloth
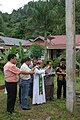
[(38, 99), (25, 68)]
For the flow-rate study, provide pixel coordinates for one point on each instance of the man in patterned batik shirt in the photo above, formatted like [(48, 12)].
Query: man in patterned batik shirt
[(61, 78)]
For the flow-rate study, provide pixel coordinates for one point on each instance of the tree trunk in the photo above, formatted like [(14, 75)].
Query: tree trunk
[(45, 45), (70, 55)]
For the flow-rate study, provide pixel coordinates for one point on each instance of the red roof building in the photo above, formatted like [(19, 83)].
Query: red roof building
[(39, 40), (55, 44), (59, 42)]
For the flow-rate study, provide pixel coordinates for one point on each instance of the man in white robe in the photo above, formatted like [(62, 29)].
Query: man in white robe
[(38, 84)]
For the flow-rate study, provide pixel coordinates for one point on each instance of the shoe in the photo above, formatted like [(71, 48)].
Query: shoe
[(9, 113), (64, 97), (13, 112), (58, 98), (28, 108), (37, 104), (78, 96)]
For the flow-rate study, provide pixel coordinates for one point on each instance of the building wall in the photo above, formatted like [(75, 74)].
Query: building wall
[(53, 53)]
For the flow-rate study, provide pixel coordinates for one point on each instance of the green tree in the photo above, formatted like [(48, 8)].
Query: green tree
[(1, 24), (37, 18), (42, 14), (13, 50), (20, 51), (77, 20), (35, 49)]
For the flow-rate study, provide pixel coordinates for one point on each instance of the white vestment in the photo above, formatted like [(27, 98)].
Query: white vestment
[(38, 98)]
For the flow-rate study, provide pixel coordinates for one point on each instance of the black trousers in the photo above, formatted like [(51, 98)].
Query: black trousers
[(31, 90), (11, 88), (20, 93), (61, 84)]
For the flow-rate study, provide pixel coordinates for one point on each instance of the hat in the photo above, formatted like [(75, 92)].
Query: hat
[(39, 61)]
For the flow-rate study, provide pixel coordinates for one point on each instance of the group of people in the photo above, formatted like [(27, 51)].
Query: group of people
[(34, 81)]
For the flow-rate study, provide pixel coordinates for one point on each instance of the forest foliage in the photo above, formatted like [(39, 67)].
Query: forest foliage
[(36, 18)]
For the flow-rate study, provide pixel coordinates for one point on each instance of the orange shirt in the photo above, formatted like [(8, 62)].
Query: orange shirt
[(11, 72)]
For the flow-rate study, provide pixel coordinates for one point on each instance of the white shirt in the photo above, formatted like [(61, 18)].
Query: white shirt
[(25, 68)]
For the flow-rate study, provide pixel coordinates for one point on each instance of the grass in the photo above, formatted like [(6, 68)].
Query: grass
[(55, 109), (78, 83), (1, 78)]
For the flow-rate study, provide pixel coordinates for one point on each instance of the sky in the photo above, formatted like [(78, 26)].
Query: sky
[(9, 5)]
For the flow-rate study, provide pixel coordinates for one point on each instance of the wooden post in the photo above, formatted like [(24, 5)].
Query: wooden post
[(45, 45), (70, 55)]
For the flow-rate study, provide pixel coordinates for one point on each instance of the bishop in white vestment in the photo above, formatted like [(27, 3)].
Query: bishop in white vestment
[(38, 87), (38, 84)]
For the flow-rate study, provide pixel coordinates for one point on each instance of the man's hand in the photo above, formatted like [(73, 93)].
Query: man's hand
[(36, 67), (48, 67), (63, 73), (31, 72)]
